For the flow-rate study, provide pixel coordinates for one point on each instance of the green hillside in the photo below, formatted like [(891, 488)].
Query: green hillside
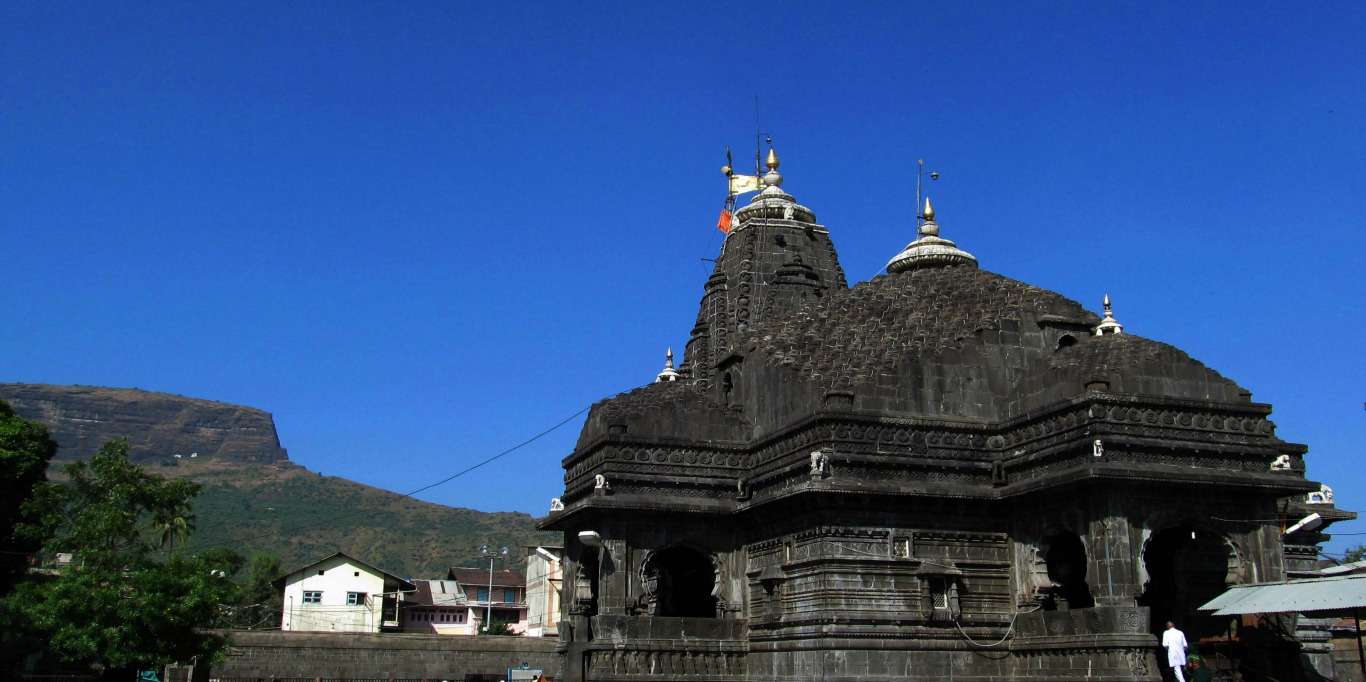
[(256, 500), (301, 516)]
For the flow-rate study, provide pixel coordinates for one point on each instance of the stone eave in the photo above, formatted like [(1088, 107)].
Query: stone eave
[(1132, 425), (1277, 485), (591, 508)]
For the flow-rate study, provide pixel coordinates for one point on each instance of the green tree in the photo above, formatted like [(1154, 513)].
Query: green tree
[(126, 601), (260, 602), (25, 450), (1355, 554)]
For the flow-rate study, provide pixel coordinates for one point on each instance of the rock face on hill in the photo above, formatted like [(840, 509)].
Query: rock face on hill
[(157, 425)]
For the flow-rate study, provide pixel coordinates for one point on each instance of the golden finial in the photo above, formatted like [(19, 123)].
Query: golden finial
[(928, 213), (772, 161)]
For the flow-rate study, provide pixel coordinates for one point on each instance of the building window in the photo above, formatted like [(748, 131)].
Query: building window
[(482, 594), (460, 617), (509, 596), (355, 598), (313, 597), (939, 593)]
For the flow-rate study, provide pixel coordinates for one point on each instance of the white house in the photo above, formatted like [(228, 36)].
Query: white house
[(341, 594)]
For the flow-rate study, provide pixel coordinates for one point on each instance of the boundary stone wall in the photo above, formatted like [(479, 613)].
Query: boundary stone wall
[(274, 655)]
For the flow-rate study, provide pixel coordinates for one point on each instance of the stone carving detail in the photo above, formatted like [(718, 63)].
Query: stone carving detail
[(649, 584), (556, 504), (1324, 495), (666, 665), (1098, 448), (1281, 463), (602, 485), (1138, 662), (820, 464)]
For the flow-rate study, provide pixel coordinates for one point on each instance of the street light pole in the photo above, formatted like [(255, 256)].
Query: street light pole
[(488, 605)]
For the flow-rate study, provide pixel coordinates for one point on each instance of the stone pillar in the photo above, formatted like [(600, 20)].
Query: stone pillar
[(1113, 556), (613, 578)]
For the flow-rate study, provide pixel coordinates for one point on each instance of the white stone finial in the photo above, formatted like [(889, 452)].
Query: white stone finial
[(1109, 325), (668, 373), (772, 178)]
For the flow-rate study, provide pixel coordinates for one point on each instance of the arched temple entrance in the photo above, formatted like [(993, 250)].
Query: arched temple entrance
[(1186, 568), (684, 582)]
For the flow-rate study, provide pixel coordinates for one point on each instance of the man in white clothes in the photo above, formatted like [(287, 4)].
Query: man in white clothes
[(1175, 642)]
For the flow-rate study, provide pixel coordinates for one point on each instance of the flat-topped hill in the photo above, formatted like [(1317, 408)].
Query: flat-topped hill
[(157, 425)]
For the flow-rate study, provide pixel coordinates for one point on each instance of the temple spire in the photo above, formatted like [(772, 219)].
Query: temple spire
[(668, 373), (929, 249), (1109, 325)]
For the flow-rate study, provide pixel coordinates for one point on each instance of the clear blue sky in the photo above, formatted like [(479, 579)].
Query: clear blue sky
[(419, 233)]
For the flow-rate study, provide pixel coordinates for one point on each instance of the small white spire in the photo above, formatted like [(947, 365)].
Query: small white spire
[(668, 373), (929, 249), (1109, 325)]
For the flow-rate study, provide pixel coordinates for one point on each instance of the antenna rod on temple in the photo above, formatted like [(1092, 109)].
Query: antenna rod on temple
[(919, 174), (758, 169)]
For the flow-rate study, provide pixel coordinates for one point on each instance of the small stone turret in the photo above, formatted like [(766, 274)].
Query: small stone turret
[(668, 373), (1109, 325), (929, 249)]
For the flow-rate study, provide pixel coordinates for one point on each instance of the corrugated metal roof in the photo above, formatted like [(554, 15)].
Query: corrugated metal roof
[(436, 593), (1333, 593)]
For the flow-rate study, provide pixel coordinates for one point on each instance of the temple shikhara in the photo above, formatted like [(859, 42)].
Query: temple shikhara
[(938, 474)]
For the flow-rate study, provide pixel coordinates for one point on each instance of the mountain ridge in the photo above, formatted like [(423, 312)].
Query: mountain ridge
[(253, 498)]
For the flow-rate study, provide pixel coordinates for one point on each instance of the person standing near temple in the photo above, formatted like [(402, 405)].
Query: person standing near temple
[(1174, 641)]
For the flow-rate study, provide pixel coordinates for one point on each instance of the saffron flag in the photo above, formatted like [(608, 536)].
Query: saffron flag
[(723, 224), (739, 184)]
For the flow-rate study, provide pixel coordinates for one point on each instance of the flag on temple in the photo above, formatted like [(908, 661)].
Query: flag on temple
[(727, 219), (739, 184)]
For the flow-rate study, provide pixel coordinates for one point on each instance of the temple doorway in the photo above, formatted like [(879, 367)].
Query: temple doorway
[(1186, 567), (686, 581)]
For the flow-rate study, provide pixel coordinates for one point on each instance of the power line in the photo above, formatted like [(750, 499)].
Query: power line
[(510, 450)]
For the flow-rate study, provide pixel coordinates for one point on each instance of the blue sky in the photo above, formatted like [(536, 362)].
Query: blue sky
[(419, 233)]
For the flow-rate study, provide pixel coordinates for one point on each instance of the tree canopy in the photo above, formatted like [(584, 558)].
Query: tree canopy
[(25, 450), (128, 599)]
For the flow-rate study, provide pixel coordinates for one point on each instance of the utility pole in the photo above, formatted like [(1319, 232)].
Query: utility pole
[(488, 605)]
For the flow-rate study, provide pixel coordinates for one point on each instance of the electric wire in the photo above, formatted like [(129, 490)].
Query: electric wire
[(1009, 630)]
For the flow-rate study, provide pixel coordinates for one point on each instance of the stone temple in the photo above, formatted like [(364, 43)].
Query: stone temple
[(939, 474)]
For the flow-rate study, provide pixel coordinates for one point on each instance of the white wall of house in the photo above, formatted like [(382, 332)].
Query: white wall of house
[(542, 594), (451, 620), (335, 579)]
